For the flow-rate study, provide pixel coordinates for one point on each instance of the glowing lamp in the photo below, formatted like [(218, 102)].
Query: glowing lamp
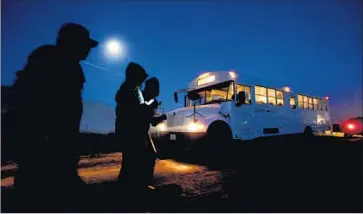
[(350, 126), (161, 127), (195, 127), (287, 89), (327, 98), (232, 74)]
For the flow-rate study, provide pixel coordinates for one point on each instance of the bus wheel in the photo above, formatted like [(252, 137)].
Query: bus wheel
[(219, 137), (308, 132)]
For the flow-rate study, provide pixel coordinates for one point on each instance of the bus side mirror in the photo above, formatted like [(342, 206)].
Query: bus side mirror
[(241, 98), (176, 97)]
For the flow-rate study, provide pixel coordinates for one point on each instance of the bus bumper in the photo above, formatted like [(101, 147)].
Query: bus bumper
[(177, 140)]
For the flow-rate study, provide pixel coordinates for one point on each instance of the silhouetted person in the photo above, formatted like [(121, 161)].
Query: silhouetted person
[(129, 114), (48, 113), (135, 112), (150, 92)]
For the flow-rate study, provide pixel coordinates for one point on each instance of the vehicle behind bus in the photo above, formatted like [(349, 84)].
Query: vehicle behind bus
[(352, 126)]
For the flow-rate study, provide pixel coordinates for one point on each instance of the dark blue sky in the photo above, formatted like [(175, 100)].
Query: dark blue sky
[(313, 46)]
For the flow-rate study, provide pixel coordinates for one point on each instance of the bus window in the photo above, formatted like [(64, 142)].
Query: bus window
[(316, 107), (260, 95), (203, 96), (214, 94), (300, 101), (203, 99), (230, 92), (246, 89), (280, 98), (311, 104), (323, 105), (208, 96), (292, 103), (306, 102), (271, 97)]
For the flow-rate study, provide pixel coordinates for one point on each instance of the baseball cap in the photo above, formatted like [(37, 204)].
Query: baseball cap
[(75, 33)]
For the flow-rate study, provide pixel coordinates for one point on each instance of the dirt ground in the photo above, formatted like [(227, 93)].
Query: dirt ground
[(290, 174)]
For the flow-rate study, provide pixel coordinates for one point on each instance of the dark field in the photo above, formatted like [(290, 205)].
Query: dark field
[(282, 174)]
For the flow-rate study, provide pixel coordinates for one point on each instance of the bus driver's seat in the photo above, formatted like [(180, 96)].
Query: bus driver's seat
[(246, 98)]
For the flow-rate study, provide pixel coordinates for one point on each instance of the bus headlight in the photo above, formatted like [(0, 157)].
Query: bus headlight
[(195, 127), (161, 127)]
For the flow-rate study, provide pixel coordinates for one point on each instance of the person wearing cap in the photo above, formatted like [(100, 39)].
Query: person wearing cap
[(48, 113)]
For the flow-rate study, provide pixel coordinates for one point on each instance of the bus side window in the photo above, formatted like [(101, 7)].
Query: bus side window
[(260, 95), (292, 103), (271, 96), (280, 98), (246, 89), (300, 101), (322, 105), (311, 104), (306, 102), (316, 104)]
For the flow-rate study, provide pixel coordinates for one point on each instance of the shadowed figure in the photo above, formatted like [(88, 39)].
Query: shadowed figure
[(150, 92), (128, 108), (133, 118), (129, 114), (48, 110)]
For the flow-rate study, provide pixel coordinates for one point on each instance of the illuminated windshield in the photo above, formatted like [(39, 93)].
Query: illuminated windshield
[(213, 94)]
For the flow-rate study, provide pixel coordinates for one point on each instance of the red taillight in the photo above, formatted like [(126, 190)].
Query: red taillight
[(350, 126)]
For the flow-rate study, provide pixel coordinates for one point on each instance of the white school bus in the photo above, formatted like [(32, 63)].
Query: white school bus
[(231, 106)]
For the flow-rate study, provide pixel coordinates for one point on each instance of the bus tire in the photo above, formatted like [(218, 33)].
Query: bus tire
[(308, 132), (219, 137)]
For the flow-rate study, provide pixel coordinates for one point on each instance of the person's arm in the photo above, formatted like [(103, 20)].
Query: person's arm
[(155, 120), (150, 102)]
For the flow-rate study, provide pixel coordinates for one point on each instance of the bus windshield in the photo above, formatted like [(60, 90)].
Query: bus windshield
[(218, 93)]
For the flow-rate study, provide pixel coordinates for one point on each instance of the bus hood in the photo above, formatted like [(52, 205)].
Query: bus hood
[(181, 116)]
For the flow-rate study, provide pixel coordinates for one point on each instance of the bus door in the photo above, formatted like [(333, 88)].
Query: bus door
[(291, 125), (243, 115)]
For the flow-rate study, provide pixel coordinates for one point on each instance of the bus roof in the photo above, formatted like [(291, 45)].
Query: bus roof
[(214, 77)]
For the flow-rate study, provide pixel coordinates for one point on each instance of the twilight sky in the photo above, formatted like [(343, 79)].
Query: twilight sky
[(312, 46)]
